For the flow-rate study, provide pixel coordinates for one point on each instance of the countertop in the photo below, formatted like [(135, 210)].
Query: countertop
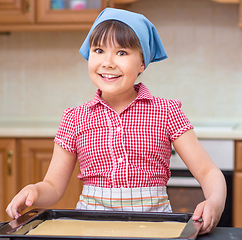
[(23, 128), (48, 128), (223, 233)]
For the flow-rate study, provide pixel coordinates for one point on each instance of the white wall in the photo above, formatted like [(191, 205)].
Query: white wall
[(42, 73)]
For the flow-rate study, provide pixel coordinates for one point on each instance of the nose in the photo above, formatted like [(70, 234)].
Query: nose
[(108, 61)]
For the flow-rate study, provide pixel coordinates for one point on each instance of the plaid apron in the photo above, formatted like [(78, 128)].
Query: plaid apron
[(145, 199)]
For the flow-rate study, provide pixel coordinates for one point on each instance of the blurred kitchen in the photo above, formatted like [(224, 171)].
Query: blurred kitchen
[(42, 74)]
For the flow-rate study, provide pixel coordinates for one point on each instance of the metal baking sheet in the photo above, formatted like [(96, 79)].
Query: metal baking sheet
[(17, 229)]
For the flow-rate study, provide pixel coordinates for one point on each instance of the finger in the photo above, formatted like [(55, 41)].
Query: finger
[(13, 212), (207, 223), (17, 215), (9, 212), (28, 203), (198, 212), (30, 199), (18, 204), (204, 231), (202, 211)]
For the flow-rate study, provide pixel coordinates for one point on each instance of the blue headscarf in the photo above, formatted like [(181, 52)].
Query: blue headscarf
[(146, 32)]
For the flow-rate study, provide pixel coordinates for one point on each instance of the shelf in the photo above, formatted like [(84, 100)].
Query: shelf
[(124, 1)]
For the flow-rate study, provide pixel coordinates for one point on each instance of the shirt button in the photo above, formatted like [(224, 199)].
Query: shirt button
[(120, 160), (118, 129)]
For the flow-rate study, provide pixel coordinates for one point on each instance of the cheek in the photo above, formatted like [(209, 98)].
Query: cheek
[(91, 65), (91, 71), (136, 67)]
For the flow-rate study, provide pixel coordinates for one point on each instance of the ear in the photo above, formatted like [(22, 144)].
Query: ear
[(142, 67)]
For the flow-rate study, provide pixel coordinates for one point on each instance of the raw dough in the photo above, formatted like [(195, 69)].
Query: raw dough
[(109, 228)]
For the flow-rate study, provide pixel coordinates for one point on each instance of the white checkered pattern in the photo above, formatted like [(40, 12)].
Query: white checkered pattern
[(143, 199), (131, 149)]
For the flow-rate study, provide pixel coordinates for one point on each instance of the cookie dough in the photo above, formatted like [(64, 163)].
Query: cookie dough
[(60, 227)]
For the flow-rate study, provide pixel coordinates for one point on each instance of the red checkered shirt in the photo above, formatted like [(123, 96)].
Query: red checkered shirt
[(130, 149)]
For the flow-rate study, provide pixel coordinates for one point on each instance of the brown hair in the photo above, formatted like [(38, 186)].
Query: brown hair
[(113, 31)]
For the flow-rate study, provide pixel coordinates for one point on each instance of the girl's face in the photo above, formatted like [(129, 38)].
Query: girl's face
[(114, 69)]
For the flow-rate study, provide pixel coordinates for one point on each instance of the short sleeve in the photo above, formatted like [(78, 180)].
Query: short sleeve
[(178, 123), (66, 133)]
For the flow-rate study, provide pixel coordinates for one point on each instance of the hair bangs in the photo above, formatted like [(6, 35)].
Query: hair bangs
[(114, 33)]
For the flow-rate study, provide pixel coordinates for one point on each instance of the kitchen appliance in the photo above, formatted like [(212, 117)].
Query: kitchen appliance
[(185, 192), (17, 229)]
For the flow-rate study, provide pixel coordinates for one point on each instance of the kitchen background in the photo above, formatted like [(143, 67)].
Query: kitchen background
[(42, 73)]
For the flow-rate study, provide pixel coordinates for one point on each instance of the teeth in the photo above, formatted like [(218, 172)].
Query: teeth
[(109, 76)]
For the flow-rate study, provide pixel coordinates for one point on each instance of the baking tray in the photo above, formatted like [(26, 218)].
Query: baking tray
[(17, 229)]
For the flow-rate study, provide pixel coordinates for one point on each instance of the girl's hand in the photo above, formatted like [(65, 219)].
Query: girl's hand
[(210, 213), (25, 198), (209, 177)]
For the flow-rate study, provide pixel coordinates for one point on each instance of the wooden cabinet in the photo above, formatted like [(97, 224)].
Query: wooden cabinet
[(237, 189), (35, 155), (66, 16), (37, 15), (123, 3), (8, 174), (16, 11), (237, 199), (29, 162)]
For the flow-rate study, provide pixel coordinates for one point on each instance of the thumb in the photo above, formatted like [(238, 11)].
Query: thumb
[(198, 212), (30, 199)]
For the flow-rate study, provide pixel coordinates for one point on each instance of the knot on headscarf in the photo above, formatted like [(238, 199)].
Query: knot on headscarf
[(146, 32)]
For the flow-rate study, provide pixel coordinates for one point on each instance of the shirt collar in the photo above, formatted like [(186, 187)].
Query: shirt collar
[(143, 93)]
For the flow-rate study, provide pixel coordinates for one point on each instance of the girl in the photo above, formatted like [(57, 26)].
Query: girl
[(122, 138)]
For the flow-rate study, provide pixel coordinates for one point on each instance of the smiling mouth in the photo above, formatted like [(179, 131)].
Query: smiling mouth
[(109, 77)]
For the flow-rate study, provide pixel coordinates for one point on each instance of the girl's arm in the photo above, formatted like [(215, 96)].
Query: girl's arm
[(51, 189), (209, 177)]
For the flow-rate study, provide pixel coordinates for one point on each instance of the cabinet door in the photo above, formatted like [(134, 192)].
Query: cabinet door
[(238, 155), (35, 158), (65, 14), (237, 200), (237, 190), (17, 11), (8, 175)]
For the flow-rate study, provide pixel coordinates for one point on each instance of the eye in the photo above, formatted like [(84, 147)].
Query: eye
[(122, 53), (98, 50)]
